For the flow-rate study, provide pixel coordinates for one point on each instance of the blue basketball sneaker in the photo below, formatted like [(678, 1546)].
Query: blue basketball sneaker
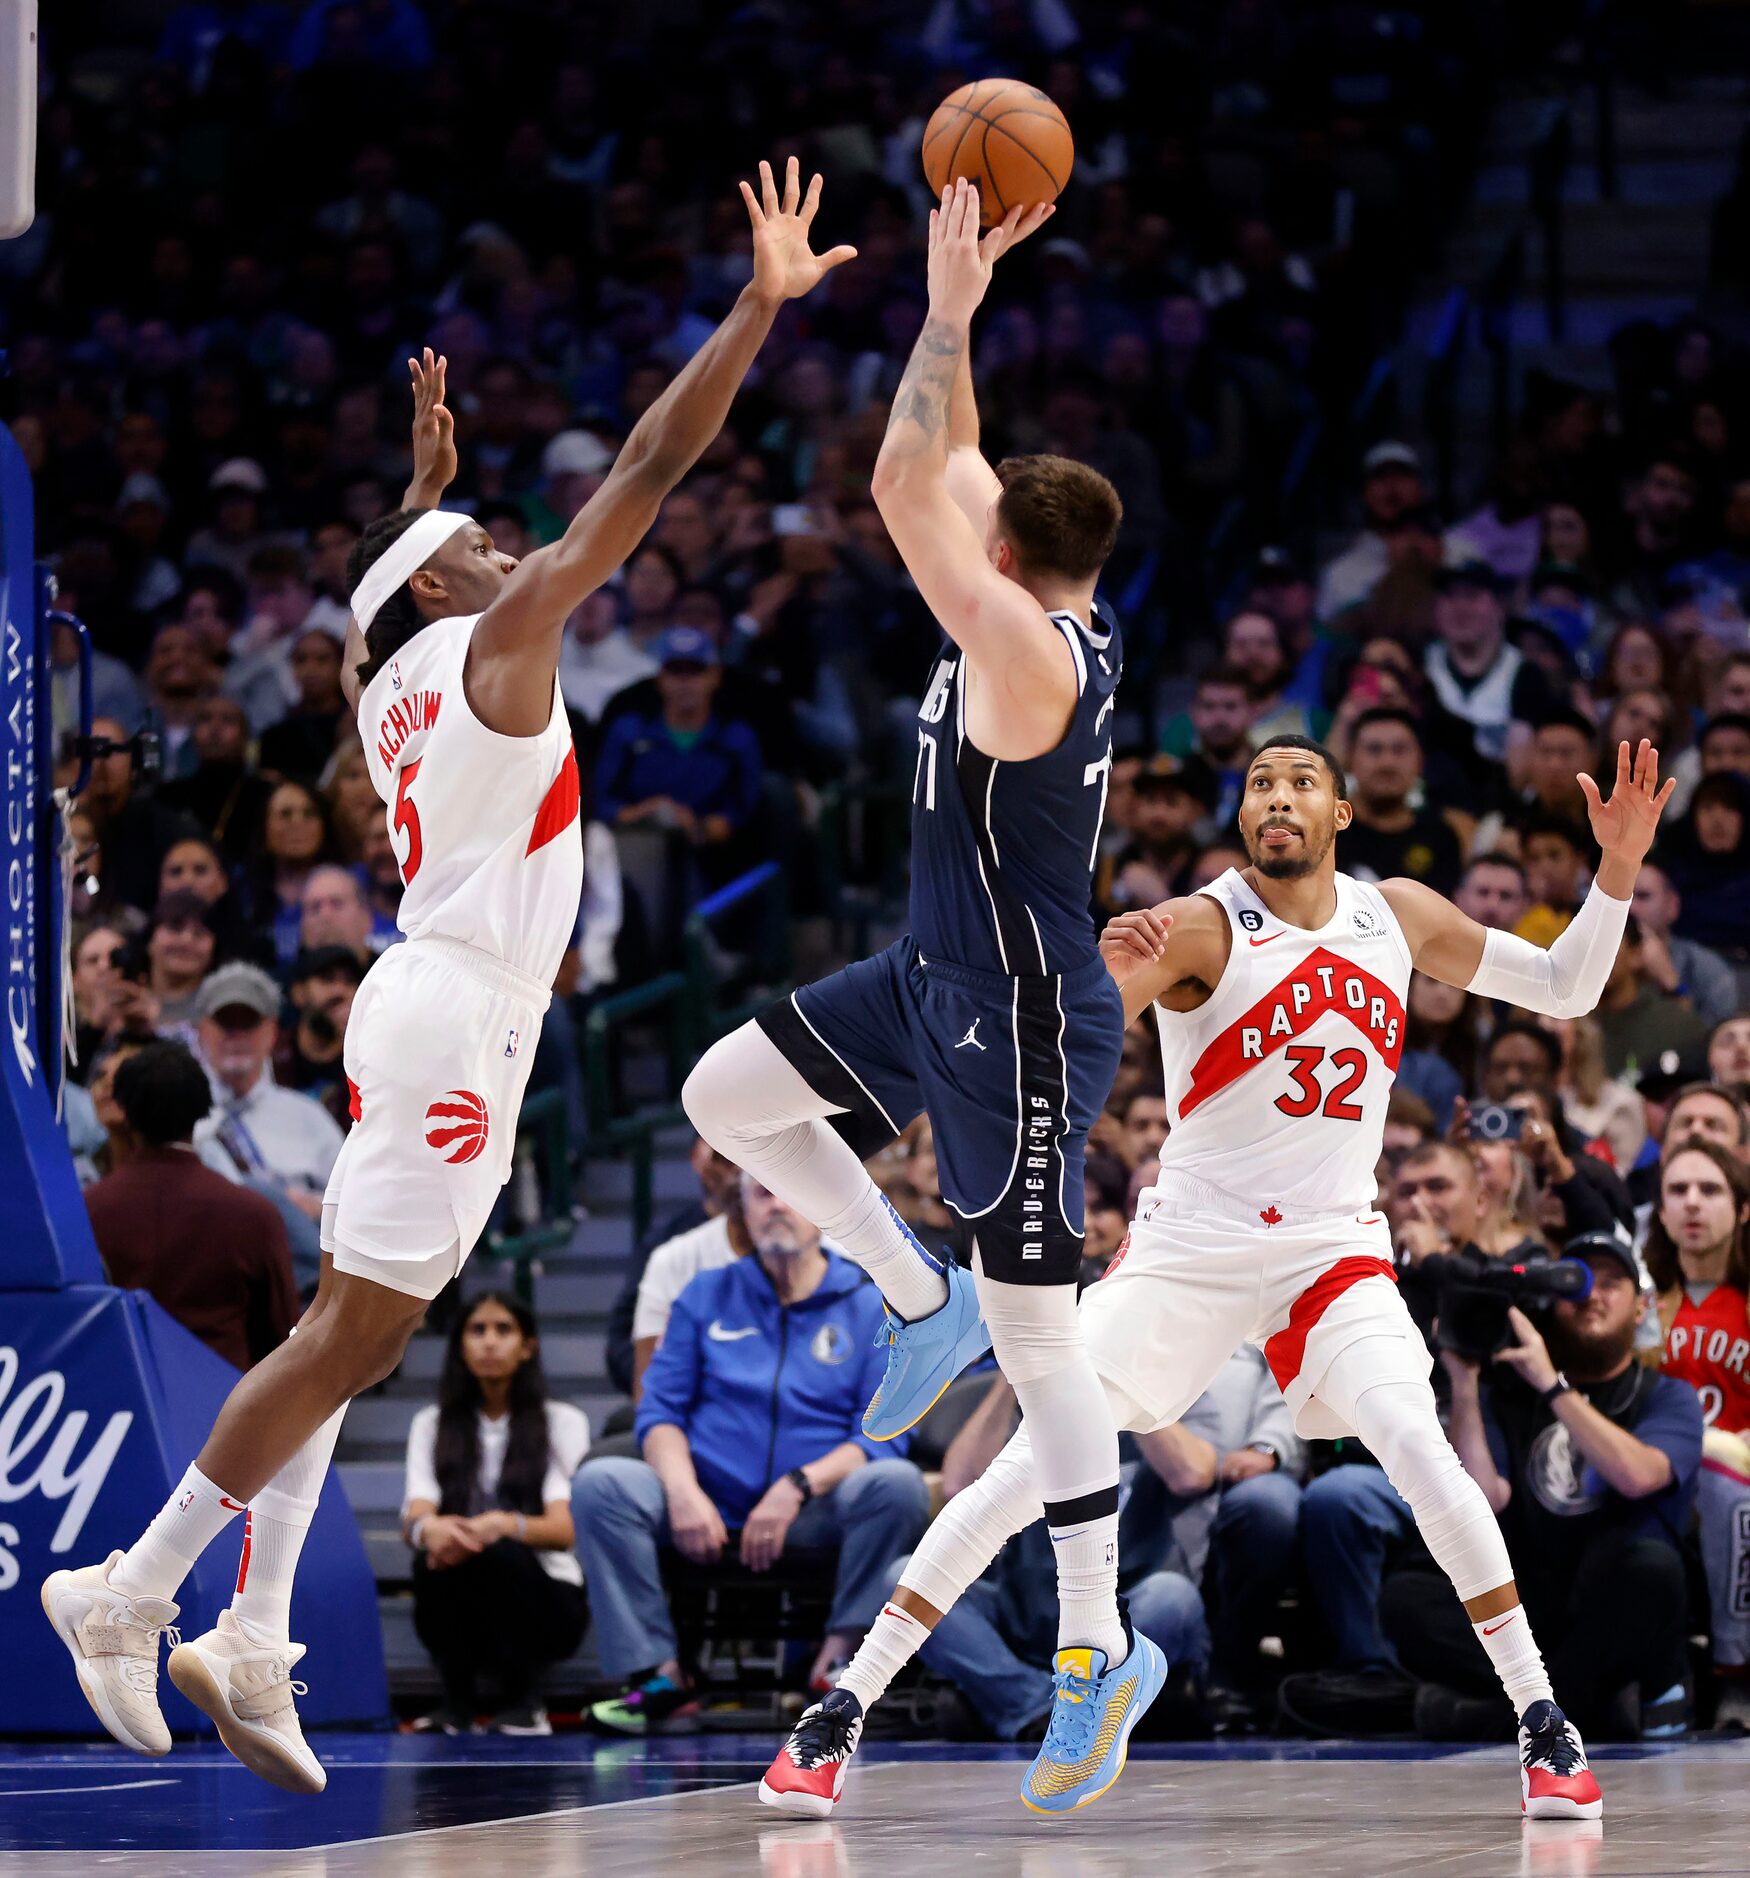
[(1091, 1718), (925, 1356)]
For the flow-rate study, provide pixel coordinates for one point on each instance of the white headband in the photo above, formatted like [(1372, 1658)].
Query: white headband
[(404, 557)]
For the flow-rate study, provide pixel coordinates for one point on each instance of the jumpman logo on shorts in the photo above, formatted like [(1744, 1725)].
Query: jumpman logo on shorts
[(971, 1037)]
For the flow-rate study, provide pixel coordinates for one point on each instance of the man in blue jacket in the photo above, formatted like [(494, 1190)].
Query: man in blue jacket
[(751, 1428)]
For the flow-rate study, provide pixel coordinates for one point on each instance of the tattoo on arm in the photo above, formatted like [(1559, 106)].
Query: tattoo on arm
[(920, 407)]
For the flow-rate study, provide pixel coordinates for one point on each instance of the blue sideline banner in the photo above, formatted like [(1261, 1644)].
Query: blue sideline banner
[(103, 1399)]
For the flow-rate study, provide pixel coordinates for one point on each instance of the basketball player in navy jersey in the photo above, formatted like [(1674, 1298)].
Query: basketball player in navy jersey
[(995, 1014)]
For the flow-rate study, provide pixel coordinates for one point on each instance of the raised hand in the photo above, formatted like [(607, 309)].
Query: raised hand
[(784, 266), (1133, 941), (434, 432), (1624, 824), (1012, 230), (959, 263)]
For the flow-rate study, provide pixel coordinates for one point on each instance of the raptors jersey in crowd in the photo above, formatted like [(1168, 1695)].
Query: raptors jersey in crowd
[(1708, 1347), (485, 826), (1277, 1086)]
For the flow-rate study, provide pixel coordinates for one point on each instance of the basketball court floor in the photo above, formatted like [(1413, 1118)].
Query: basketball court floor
[(405, 1805)]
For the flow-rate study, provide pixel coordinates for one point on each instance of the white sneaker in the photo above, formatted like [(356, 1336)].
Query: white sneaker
[(247, 1689), (114, 1643)]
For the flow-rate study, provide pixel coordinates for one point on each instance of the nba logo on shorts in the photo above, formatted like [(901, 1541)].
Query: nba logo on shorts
[(512, 1042), (456, 1125)]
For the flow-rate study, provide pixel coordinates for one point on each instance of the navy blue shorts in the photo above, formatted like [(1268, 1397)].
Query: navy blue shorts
[(1013, 1073)]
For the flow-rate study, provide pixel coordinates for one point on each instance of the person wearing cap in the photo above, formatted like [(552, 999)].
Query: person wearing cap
[(1391, 483), (1477, 678), (142, 512), (685, 768), (236, 491), (1698, 1253), (1591, 1461), (213, 1255), (276, 1141)]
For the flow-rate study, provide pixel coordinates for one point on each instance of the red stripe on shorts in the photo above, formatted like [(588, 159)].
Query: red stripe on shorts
[(243, 1562), (1286, 1351), (354, 1101)]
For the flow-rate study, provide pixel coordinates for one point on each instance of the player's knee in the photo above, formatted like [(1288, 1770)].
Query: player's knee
[(1401, 1428), (710, 1093)]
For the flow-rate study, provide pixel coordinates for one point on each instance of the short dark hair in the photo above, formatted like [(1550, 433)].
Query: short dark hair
[(1725, 720), (1523, 1027), (1228, 675), (1059, 516), (398, 618), (1384, 714), (1561, 828), (1566, 717), (1313, 748), (163, 1092), (1725, 1094), (1494, 858)]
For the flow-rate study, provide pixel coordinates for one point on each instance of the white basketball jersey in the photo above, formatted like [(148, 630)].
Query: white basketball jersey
[(485, 827), (1277, 1086)]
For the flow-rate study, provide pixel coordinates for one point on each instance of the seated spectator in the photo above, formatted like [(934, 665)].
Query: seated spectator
[(1394, 832), (672, 1266), (1476, 677), (335, 912), (101, 993), (1706, 858), (1169, 801), (1440, 1045), (354, 807), (1601, 1110), (180, 951), (222, 792), (687, 769), (295, 840), (1519, 1055), (1708, 1111), (213, 1255), (1640, 1024), (1254, 644), (1682, 968), (1728, 1053), (1558, 860), (751, 1423), (196, 865), (1106, 1213), (497, 1588), (1591, 1460), (97, 1130), (719, 1197), (1217, 728), (1492, 890), (300, 744), (134, 828), (1391, 484), (276, 1141), (321, 989), (385, 887), (1700, 1263), (179, 675), (598, 657)]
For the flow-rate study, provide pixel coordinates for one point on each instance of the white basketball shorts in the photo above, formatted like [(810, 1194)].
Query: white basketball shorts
[(1204, 1271), (438, 1052)]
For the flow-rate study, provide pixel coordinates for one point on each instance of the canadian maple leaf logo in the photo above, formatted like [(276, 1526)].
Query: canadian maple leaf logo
[(1270, 1216)]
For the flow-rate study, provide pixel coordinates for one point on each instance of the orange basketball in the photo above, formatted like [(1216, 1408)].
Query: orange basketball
[(1006, 137)]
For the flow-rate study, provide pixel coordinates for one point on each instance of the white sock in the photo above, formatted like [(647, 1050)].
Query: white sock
[(1087, 1584), (155, 1565), (892, 1641), (1517, 1659), (873, 1234), (273, 1536)]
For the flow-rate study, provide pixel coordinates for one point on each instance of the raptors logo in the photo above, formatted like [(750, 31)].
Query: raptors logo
[(456, 1125)]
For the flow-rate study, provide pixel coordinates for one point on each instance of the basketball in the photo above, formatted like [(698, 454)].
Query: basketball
[(1006, 137)]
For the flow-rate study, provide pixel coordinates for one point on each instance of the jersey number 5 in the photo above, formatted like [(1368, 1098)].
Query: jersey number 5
[(1303, 1061), (407, 823)]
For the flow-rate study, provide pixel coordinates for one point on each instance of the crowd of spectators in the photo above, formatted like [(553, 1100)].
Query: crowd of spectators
[(206, 344)]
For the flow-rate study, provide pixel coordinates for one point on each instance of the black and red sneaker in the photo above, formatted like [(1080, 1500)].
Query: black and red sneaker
[(809, 1772), (1554, 1780)]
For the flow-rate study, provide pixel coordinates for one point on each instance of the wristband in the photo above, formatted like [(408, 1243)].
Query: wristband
[(1561, 1386), (799, 1480), (522, 1528)]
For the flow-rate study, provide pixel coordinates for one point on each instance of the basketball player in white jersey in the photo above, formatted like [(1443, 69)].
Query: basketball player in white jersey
[(1280, 993), (452, 670)]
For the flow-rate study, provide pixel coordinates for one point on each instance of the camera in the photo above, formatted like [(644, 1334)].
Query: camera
[(1494, 1121), (1474, 1294)]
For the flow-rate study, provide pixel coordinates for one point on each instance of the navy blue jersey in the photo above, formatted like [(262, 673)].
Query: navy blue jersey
[(1002, 854)]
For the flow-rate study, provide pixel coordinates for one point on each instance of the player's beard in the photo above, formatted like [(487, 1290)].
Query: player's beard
[(1289, 866)]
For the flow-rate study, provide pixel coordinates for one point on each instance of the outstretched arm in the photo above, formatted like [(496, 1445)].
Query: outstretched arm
[(1568, 979), (1002, 628), (971, 480), (434, 469), (515, 647)]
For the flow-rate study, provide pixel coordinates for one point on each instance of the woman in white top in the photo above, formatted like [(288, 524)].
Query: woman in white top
[(497, 1589)]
